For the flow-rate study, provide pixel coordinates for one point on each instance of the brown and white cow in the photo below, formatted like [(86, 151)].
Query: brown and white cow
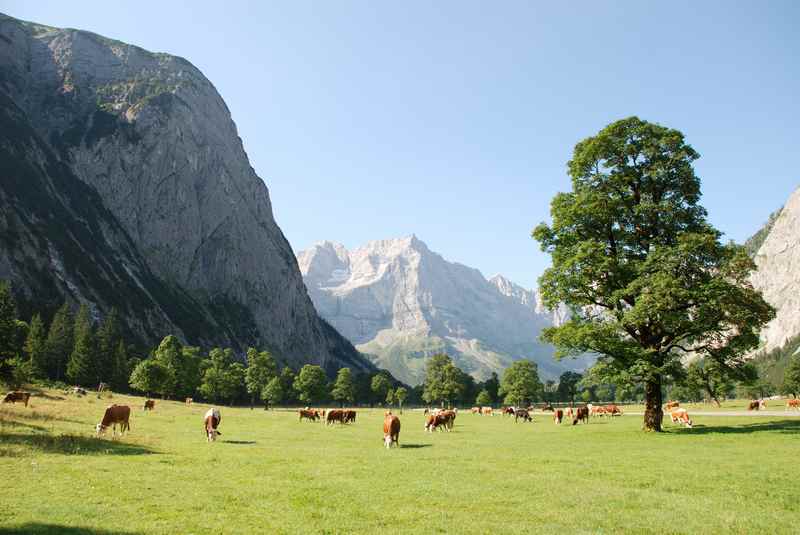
[(309, 414), (793, 404), (391, 430), (487, 411), (581, 415), (613, 410), (13, 397), (558, 415), (475, 410), (754, 405), (149, 404), (211, 421), (189, 401), (507, 411), (680, 416), (349, 416), (671, 405), (115, 414)]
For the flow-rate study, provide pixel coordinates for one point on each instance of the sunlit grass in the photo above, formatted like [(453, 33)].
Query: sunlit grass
[(269, 473)]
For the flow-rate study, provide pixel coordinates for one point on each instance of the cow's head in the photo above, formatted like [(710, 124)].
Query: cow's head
[(99, 429), (387, 441), (688, 423)]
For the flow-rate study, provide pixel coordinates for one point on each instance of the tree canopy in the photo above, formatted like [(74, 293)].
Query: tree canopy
[(444, 381), (520, 383), (311, 384), (344, 390), (643, 272)]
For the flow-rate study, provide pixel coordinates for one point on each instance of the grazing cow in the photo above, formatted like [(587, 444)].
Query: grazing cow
[(524, 414), (754, 405), (115, 414), (78, 391), (102, 387), (570, 413), (149, 404), (762, 404), (558, 415), (349, 416), (681, 416), (671, 405), (334, 415), (211, 421), (581, 415), (441, 421), (596, 410), (613, 410), (391, 430), (487, 411), (793, 404), (189, 401), (475, 410), (508, 411), (548, 407), (13, 397), (310, 415)]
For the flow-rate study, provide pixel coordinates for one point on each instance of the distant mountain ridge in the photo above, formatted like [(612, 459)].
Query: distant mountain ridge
[(125, 184), (400, 302)]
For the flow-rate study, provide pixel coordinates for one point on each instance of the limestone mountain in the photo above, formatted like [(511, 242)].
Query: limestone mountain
[(778, 273), (126, 184), (400, 302)]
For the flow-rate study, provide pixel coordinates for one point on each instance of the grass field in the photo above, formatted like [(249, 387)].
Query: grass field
[(269, 473)]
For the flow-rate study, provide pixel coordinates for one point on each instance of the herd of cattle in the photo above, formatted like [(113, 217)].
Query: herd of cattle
[(435, 419)]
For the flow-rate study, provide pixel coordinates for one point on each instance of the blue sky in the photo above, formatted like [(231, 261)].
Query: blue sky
[(454, 120)]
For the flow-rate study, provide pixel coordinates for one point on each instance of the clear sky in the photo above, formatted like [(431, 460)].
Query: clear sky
[(454, 120)]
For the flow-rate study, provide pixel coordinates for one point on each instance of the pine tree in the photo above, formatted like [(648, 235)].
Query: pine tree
[(35, 346), (109, 335), (84, 354), (120, 368), (8, 329), (59, 343)]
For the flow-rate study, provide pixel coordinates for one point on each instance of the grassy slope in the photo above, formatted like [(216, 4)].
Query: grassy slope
[(272, 474)]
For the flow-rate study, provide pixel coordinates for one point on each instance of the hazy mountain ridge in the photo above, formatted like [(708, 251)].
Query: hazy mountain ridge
[(400, 302), (152, 137)]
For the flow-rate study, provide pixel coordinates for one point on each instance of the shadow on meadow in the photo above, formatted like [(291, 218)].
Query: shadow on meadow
[(241, 442), (72, 444), (35, 528), (780, 426), (415, 446)]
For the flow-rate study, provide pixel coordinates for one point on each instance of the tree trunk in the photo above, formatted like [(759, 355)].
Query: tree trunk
[(652, 407)]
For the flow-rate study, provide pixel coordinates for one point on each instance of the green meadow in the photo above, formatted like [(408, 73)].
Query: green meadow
[(269, 473)]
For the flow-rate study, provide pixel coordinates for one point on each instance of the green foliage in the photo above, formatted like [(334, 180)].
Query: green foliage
[(35, 347), (152, 375), (221, 379), (261, 369), (400, 396), (109, 334), (184, 363), (492, 386), (273, 393), (120, 368), (8, 330), (791, 378), (344, 389), (709, 376), (380, 387), (82, 360), (520, 384), (60, 341), (568, 386), (287, 384), (642, 270), (390, 397), (444, 382), (311, 384), (484, 399)]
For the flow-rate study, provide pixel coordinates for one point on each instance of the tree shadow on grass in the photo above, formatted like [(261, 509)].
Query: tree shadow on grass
[(245, 442), (35, 528), (415, 446), (14, 423), (73, 444), (781, 426)]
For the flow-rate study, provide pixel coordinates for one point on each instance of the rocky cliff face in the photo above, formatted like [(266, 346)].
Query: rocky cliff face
[(778, 274), (400, 303), (150, 137)]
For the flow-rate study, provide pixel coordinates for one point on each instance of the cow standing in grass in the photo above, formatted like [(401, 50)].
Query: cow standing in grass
[(681, 416), (793, 404), (309, 414), (334, 415), (581, 415), (149, 404), (522, 414), (13, 397), (211, 421), (391, 430), (115, 414), (558, 415)]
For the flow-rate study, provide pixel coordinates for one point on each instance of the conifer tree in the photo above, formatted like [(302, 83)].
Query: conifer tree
[(84, 353)]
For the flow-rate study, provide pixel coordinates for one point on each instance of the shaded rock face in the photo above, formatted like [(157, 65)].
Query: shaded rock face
[(778, 274), (150, 134), (399, 302)]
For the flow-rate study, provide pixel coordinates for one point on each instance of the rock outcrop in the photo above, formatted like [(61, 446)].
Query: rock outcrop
[(399, 302), (778, 274), (160, 158)]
